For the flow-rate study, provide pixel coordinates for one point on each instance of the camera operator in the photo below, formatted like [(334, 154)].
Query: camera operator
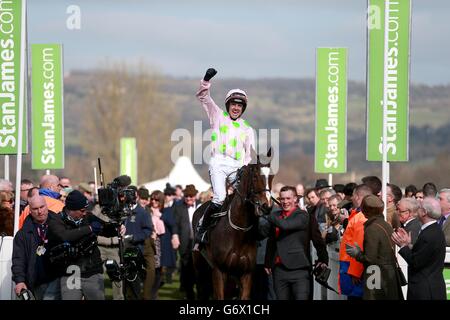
[(72, 240), (139, 225)]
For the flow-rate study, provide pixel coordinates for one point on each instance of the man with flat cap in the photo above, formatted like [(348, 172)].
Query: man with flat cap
[(88, 192), (378, 252)]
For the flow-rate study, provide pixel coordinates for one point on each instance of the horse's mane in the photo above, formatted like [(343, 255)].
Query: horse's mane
[(242, 176)]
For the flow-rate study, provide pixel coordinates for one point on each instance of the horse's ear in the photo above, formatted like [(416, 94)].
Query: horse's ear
[(266, 159), (269, 153), (254, 157)]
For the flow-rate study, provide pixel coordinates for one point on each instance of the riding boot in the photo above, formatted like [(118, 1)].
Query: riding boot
[(206, 222)]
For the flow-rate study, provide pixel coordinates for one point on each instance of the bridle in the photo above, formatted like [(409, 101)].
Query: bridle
[(251, 195)]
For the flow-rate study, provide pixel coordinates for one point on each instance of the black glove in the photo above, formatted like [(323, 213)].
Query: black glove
[(211, 72), (270, 217), (96, 227)]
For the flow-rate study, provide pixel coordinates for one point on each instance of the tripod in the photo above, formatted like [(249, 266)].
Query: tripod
[(117, 267), (129, 270)]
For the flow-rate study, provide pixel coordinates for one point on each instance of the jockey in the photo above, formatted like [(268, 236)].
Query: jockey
[(231, 141)]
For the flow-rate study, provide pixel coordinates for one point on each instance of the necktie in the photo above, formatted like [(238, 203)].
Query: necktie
[(441, 221)]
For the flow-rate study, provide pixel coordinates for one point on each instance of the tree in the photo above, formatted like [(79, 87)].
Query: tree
[(124, 103)]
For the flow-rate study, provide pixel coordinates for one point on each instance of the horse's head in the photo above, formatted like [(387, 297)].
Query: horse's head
[(256, 179)]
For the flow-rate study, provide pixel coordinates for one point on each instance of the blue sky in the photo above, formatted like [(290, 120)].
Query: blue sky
[(246, 38)]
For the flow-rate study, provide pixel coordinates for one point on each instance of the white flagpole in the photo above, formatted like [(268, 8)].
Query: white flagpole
[(385, 164), (22, 80), (6, 167), (95, 183), (330, 179)]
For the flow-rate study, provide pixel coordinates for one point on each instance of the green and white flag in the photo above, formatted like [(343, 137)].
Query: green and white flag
[(447, 281), (398, 80), (128, 158), (331, 110), (12, 32), (47, 111)]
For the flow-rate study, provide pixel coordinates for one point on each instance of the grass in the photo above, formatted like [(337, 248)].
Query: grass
[(169, 291)]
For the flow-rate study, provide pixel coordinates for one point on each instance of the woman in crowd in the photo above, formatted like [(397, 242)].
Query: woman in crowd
[(156, 207), (333, 228), (168, 254), (381, 277), (6, 213)]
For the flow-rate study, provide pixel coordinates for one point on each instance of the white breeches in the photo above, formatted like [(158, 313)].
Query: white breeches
[(220, 168)]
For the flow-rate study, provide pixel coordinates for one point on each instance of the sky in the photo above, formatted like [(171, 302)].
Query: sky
[(240, 38)]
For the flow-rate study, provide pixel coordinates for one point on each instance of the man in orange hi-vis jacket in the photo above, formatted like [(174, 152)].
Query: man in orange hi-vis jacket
[(350, 270), (49, 189), (53, 205)]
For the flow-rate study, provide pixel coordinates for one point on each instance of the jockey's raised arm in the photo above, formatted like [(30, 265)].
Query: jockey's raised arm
[(232, 139)]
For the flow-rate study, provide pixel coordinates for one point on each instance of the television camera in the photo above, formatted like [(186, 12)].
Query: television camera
[(117, 200), (133, 266)]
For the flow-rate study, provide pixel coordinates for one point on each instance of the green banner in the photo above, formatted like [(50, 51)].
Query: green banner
[(331, 110), (447, 280), (12, 25), (397, 138), (47, 110), (128, 158)]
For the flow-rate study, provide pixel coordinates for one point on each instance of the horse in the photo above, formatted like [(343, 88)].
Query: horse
[(231, 249)]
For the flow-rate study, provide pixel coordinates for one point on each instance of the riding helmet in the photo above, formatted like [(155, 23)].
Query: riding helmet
[(237, 96)]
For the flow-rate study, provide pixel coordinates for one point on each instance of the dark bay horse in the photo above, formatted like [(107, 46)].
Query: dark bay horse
[(231, 249)]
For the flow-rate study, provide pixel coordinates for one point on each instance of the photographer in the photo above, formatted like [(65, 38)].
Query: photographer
[(73, 250), (332, 232)]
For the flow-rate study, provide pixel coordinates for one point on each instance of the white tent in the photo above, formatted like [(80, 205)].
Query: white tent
[(182, 173)]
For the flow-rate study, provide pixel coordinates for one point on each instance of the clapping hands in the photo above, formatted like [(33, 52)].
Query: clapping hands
[(401, 237)]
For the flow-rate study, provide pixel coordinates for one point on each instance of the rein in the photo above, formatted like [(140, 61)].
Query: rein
[(247, 198)]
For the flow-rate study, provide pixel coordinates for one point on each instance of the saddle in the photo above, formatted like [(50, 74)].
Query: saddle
[(215, 217)]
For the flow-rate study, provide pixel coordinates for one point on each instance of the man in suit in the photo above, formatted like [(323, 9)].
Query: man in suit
[(323, 191), (140, 226), (426, 258), (316, 207), (183, 212), (287, 255), (444, 221), (407, 214)]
